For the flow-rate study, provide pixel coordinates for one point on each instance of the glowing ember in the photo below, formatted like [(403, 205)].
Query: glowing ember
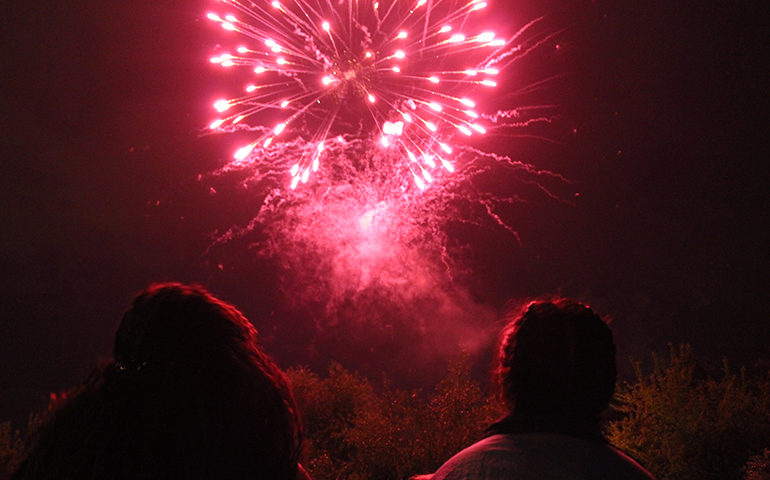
[(398, 69)]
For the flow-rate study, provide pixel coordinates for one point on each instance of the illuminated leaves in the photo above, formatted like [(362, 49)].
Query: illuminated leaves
[(682, 422)]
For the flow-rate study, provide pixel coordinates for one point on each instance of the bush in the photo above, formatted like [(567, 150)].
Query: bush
[(683, 423), (355, 433), (11, 450), (330, 407), (758, 467)]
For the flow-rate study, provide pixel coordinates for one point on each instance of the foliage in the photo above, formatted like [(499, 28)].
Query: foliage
[(15, 444), (353, 432), (330, 407), (758, 467), (11, 450), (683, 423)]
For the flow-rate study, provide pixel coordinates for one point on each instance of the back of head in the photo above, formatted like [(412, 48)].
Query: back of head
[(197, 374), (189, 395), (557, 360)]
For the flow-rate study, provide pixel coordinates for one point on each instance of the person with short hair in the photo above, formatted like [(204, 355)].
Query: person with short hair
[(557, 373)]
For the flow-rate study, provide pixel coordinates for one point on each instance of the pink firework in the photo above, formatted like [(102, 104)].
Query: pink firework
[(400, 71)]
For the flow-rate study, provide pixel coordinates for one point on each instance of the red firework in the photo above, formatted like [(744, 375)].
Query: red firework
[(401, 70)]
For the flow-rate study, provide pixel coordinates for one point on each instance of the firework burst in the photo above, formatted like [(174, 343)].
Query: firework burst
[(401, 71), (371, 100)]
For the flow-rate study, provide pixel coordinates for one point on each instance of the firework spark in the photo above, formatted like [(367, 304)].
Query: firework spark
[(404, 71)]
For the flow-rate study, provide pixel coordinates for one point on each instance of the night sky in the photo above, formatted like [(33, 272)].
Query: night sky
[(659, 130)]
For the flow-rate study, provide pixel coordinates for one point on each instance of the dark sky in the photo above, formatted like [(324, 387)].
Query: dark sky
[(101, 103)]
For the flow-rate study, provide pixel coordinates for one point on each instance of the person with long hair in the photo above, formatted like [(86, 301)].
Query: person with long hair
[(188, 394)]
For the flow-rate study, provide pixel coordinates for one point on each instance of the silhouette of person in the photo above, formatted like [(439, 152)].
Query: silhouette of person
[(188, 395), (557, 372)]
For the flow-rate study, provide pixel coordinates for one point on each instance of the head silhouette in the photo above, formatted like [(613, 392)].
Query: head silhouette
[(188, 395), (557, 360)]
